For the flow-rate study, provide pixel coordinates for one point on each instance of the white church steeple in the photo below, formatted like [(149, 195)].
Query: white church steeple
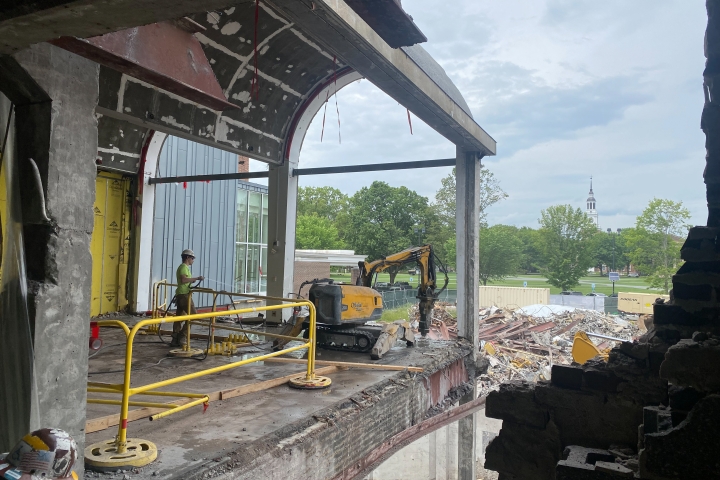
[(591, 210)]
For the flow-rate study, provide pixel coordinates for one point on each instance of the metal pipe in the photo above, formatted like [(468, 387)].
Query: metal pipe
[(113, 323), (375, 167), (121, 439), (103, 401), (180, 408), (605, 337), (210, 371)]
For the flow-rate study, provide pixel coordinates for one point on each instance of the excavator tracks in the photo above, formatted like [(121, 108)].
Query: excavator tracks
[(356, 339)]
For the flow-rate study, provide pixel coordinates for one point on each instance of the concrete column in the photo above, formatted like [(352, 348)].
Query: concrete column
[(62, 137), (467, 229), (432, 455), (282, 212), (451, 452)]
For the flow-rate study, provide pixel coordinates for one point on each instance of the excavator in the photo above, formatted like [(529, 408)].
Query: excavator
[(343, 309)]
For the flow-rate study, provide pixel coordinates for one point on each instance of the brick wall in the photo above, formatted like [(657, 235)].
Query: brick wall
[(333, 439), (243, 164), (309, 271)]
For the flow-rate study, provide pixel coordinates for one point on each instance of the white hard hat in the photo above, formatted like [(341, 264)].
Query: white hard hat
[(188, 252)]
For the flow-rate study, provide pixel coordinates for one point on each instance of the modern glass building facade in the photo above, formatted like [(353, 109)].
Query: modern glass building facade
[(251, 226)]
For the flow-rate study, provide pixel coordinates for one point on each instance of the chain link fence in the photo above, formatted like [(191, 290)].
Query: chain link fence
[(398, 298)]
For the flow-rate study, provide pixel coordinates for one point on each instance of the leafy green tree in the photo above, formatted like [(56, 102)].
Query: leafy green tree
[(316, 233), (441, 233), (444, 204), (501, 252), (602, 248), (566, 234), (381, 219), (325, 202), (532, 260), (655, 242)]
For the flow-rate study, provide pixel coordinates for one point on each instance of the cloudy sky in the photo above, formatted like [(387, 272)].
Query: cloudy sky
[(568, 89)]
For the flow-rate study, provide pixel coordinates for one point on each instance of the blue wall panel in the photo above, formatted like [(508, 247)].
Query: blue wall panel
[(200, 217)]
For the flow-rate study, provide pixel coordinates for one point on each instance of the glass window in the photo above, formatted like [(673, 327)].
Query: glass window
[(265, 219), (253, 271), (263, 269), (254, 219), (240, 275), (241, 214)]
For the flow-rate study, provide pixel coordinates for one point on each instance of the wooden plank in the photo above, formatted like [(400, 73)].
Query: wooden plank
[(275, 382), (371, 366), (102, 423)]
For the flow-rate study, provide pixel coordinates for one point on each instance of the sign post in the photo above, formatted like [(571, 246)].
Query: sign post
[(614, 277)]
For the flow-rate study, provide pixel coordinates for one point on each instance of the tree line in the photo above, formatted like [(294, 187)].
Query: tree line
[(379, 220)]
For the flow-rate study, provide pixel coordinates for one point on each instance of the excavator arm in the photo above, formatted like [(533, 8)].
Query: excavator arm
[(424, 257)]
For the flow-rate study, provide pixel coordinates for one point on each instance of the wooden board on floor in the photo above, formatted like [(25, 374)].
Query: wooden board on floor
[(372, 366), (101, 423)]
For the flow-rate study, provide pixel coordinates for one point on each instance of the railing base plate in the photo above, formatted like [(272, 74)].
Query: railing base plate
[(191, 352), (314, 384), (103, 456)]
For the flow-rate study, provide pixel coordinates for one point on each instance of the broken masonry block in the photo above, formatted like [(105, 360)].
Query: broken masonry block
[(683, 398), (693, 364), (564, 376), (580, 463), (689, 450), (656, 419), (702, 293), (515, 402)]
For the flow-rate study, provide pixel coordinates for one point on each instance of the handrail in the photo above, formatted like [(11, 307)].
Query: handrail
[(127, 391)]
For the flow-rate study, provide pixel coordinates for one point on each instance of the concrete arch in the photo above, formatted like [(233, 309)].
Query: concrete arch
[(290, 67)]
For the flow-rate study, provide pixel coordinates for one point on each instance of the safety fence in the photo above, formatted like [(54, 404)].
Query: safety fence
[(600, 304), (398, 298), (121, 450)]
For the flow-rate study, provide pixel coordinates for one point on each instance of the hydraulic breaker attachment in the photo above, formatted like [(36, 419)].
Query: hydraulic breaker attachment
[(390, 334)]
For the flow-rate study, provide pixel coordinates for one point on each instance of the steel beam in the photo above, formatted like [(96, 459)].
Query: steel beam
[(375, 167), (297, 172), (206, 178)]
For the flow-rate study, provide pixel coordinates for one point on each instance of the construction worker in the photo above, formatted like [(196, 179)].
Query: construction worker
[(183, 297)]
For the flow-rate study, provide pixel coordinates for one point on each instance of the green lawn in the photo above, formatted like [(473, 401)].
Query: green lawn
[(602, 284)]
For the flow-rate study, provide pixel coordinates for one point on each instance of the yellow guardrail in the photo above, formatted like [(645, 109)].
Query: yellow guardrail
[(116, 453)]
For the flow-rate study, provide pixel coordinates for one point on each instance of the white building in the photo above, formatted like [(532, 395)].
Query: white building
[(590, 210)]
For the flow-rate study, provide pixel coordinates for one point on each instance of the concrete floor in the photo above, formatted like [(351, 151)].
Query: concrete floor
[(189, 439)]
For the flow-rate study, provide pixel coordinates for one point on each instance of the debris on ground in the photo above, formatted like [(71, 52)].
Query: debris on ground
[(444, 321), (524, 344)]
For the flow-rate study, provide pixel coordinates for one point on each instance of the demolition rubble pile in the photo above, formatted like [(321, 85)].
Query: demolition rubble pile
[(443, 325), (524, 344)]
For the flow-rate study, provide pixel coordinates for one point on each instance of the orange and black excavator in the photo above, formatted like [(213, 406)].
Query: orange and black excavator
[(343, 309)]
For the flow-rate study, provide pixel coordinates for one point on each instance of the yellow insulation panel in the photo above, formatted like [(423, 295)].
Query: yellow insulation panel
[(110, 240)]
